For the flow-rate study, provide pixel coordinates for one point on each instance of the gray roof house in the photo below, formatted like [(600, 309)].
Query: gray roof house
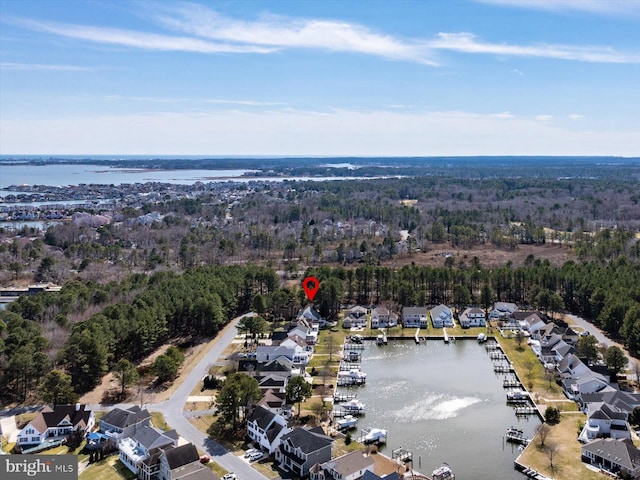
[(302, 448), (136, 450), (183, 463), (350, 466), (266, 428), (616, 456), (122, 422)]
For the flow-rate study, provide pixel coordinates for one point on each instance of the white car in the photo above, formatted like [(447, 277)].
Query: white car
[(255, 456), (229, 476), (250, 452)]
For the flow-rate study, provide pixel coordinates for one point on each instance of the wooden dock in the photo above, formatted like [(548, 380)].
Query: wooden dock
[(445, 336)]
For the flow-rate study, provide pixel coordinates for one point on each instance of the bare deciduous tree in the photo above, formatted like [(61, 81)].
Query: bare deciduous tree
[(543, 432)]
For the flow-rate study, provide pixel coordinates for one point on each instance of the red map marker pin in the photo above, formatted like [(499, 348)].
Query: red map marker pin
[(310, 285)]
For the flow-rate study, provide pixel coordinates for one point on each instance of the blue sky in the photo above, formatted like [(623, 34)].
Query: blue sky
[(363, 78)]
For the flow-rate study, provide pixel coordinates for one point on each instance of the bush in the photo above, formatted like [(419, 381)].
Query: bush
[(552, 415)]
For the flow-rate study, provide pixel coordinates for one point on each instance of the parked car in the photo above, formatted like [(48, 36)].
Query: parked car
[(205, 459), (250, 452), (229, 476)]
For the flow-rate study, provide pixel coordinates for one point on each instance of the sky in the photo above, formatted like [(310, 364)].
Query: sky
[(320, 78)]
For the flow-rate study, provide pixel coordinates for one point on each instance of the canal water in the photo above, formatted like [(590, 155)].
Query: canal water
[(443, 403)]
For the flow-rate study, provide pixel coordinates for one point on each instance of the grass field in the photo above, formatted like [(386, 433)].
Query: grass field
[(108, 469), (566, 462)]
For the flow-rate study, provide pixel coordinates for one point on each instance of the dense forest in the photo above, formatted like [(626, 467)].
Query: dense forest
[(134, 317), (143, 271)]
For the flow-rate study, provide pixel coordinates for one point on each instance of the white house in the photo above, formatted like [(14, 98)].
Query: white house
[(473, 317), (355, 317), (310, 314), (266, 429), (57, 422), (605, 421), (532, 323), (613, 455), (441, 316), (350, 466), (136, 450), (382, 317), (121, 422), (297, 354), (414, 317)]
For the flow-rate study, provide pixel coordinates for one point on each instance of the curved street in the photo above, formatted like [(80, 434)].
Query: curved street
[(172, 410)]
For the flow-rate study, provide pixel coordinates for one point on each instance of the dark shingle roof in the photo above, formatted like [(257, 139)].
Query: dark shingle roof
[(78, 415), (308, 440), (121, 418), (262, 417), (181, 456)]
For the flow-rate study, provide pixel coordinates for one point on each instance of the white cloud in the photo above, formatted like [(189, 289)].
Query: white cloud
[(210, 32), (517, 72), (575, 116), (599, 7), (280, 31), (146, 41), (339, 132), (468, 43), (543, 118), (42, 67)]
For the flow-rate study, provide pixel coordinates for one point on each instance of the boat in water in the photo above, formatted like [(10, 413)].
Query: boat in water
[(375, 435), (515, 435), (482, 338), (443, 472), (353, 406), (517, 396), (349, 421)]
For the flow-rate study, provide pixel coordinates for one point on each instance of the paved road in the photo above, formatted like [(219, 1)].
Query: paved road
[(172, 410), (596, 332)]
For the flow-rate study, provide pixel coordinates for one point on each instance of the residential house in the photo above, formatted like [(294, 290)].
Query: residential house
[(605, 421), (441, 316), (502, 310), (297, 354), (355, 317), (590, 382), (183, 463), (57, 422), (414, 317), (302, 448), (382, 317), (294, 340), (613, 455), (306, 331), (142, 446), (472, 317), (350, 466), (368, 475), (266, 429), (530, 321), (312, 315), (276, 402), (121, 422), (624, 401)]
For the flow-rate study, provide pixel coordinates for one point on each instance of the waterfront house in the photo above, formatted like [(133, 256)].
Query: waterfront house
[(414, 317), (472, 317), (302, 448), (532, 322), (591, 382), (266, 429), (616, 456), (355, 317), (382, 317), (605, 421), (350, 466), (121, 422), (57, 423), (441, 316), (139, 452), (297, 354)]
